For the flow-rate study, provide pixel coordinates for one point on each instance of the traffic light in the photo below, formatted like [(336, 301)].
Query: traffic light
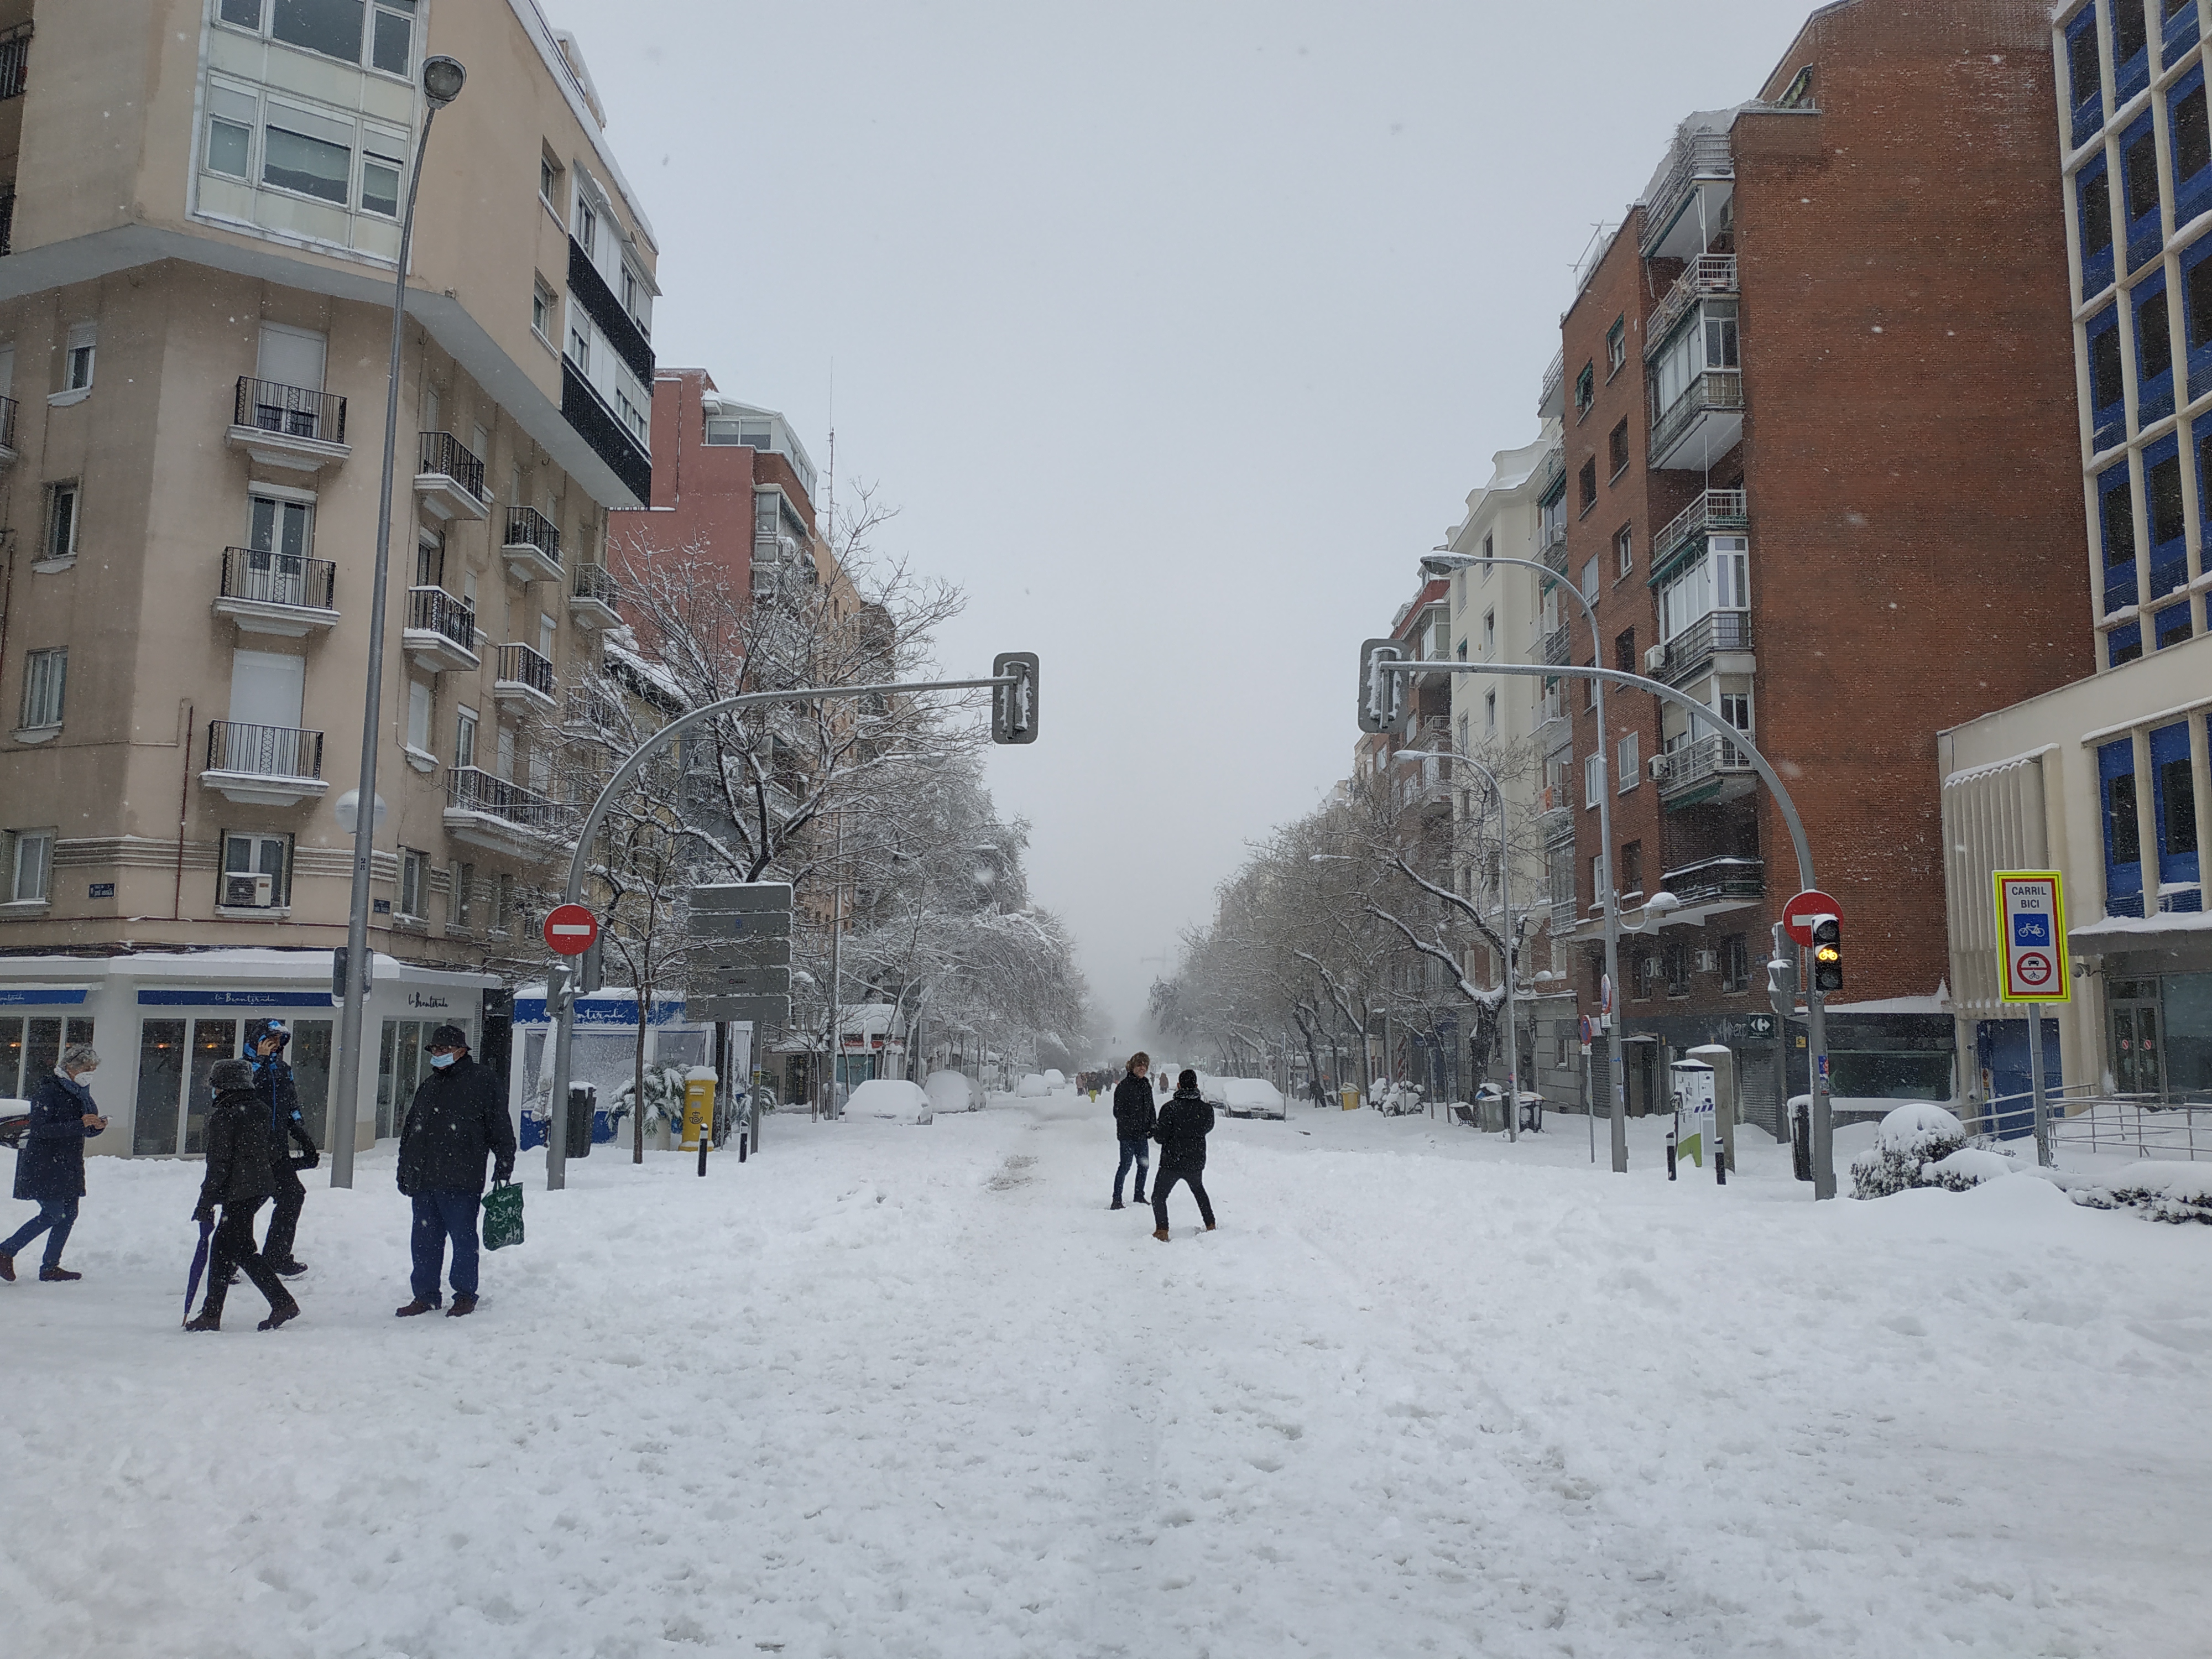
[(1782, 984), (588, 975), (1827, 954), (1381, 692), (1014, 708)]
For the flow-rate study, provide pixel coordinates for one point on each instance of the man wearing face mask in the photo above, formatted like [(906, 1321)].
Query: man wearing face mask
[(456, 1121)]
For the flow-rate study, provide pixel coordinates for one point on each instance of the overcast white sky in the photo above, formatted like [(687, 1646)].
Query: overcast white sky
[(1179, 331)]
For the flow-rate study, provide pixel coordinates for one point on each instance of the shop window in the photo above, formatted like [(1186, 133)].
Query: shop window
[(2116, 775), (30, 1048)]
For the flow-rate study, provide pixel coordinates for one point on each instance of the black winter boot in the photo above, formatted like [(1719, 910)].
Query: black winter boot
[(204, 1320)]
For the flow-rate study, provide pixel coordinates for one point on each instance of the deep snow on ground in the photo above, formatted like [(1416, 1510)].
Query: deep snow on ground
[(914, 1391)]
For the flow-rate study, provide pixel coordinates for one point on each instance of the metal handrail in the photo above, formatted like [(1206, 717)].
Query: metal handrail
[(1555, 374), (1708, 757), (1559, 645), (435, 611), (596, 582), (443, 454), (1696, 155), (1730, 509), (7, 406), (1707, 275), (2151, 1126), (1716, 631), (527, 527), (296, 411), (519, 665), (264, 752), (267, 578), (15, 61), (1719, 877), (472, 789), (1711, 389)]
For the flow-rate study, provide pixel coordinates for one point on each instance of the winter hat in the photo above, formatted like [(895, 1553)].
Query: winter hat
[(227, 1074), (448, 1036), (1187, 1080), (267, 1029)]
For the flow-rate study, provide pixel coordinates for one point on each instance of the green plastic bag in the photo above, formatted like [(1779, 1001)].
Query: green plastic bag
[(502, 1216)]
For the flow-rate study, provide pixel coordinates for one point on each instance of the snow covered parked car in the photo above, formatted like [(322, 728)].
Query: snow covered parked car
[(1033, 1087), (954, 1091), (1243, 1096), (895, 1098)]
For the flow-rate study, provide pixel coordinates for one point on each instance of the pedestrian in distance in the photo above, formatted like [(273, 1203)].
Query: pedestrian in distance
[(457, 1121), (49, 1164), (237, 1181), (1134, 1118), (280, 1099), (1185, 1122)]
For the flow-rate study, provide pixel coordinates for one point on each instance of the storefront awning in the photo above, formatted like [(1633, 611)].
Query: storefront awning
[(2169, 930)]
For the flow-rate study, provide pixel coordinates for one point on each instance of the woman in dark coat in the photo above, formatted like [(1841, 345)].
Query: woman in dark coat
[(238, 1181), (50, 1168), (1185, 1122)]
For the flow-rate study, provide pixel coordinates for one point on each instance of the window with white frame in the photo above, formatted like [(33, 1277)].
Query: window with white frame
[(1593, 779), (1624, 550), (1590, 580), (1719, 582), (418, 717), (542, 304), (64, 510), (1489, 712), (256, 871), (82, 347), (462, 901), (414, 883), (46, 680), (30, 867), (548, 182), (1490, 633), (465, 737), (587, 228), (1631, 768), (289, 143), (380, 37)]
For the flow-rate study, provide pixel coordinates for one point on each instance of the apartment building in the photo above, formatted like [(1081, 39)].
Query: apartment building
[(1517, 725), (204, 202), (2106, 779), (1817, 412)]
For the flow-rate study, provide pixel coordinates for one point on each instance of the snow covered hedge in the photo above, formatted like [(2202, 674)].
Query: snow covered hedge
[(2154, 1190), (1914, 1136)]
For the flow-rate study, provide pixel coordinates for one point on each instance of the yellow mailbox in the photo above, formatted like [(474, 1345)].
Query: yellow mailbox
[(698, 1108)]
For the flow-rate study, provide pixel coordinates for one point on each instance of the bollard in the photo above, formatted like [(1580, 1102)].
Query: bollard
[(1720, 1165), (1670, 1154)]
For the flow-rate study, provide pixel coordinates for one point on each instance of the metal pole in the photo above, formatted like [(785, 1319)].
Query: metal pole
[(837, 969), (1782, 942), (2035, 1083), (346, 1096), (564, 1032)]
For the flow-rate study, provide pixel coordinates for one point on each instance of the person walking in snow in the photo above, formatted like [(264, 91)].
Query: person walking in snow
[(280, 1100), (237, 1181), (457, 1121), (49, 1164), (1134, 1118), (1185, 1122)]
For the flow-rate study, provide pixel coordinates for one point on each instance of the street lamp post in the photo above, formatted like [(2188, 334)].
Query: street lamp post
[(442, 79), (1444, 560), (1504, 899)]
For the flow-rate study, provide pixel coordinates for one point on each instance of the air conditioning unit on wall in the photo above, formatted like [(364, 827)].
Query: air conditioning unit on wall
[(1708, 961), (249, 892), (1655, 658), (1657, 764)]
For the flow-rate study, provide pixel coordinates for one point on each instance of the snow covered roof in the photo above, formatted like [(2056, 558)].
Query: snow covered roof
[(2169, 930)]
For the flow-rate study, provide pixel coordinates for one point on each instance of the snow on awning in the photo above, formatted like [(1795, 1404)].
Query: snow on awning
[(2169, 930)]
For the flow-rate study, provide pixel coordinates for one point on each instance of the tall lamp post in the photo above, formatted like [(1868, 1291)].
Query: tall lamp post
[(442, 79), (1445, 561)]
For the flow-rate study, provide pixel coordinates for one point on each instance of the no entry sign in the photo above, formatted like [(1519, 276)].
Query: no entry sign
[(570, 929), (1797, 914), (2030, 911)]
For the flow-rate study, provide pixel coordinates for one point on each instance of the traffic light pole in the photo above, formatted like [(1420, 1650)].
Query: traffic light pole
[(1824, 1173), (556, 1148)]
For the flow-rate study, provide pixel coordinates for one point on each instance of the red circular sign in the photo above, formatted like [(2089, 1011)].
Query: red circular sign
[(570, 929), (2033, 969), (1797, 914)]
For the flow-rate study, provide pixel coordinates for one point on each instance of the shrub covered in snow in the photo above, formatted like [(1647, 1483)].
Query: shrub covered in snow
[(1970, 1166), (1916, 1134), (2157, 1191)]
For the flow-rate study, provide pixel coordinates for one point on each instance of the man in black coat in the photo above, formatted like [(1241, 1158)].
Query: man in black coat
[(457, 1121), (1185, 1122), (50, 1163), (1134, 1118), (237, 1179), (280, 1098)]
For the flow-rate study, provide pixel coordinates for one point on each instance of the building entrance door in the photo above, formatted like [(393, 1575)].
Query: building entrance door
[(2132, 1005)]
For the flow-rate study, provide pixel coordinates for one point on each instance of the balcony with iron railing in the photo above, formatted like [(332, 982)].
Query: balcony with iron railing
[(284, 594), (15, 61), (1709, 276), (1551, 536), (7, 425), (449, 477), (533, 547), (526, 680), (293, 426), (1701, 425), (491, 812), (441, 630), (1708, 768), (1549, 402), (1699, 163), (1710, 510), (263, 765), (591, 597), (1558, 646), (1717, 881), (1697, 645)]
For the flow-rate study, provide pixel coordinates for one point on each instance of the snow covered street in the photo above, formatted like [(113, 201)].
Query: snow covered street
[(908, 1391)]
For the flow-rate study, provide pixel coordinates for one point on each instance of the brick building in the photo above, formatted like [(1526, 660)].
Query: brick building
[(1820, 413)]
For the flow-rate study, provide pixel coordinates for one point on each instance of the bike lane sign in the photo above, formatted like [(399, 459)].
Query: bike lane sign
[(2030, 916)]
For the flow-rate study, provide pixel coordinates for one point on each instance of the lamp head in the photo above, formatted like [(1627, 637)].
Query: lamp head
[(442, 79), (1443, 561)]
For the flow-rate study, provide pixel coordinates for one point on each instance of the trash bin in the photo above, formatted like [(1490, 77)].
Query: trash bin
[(583, 1100), (1351, 1098), (1801, 1139), (1489, 1107)]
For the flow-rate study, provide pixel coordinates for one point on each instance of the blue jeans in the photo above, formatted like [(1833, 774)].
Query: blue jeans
[(1139, 1153), (58, 1214), (437, 1216)]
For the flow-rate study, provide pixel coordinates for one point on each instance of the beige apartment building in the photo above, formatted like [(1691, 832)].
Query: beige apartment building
[(201, 203)]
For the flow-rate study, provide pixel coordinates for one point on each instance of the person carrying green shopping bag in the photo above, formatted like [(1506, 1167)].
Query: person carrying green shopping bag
[(456, 1121)]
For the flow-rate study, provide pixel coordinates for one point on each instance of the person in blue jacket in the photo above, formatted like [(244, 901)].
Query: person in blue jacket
[(50, 1166), (280, 1099)]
